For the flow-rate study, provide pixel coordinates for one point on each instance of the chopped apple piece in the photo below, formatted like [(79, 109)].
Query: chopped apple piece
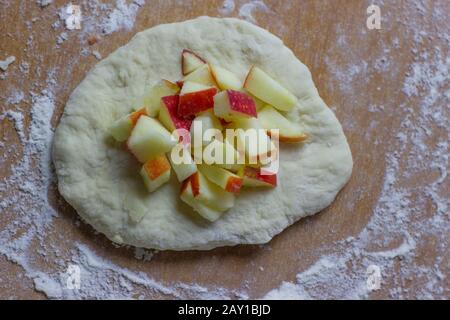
[(201, 75), (134, 116), (182, 162), (195, 98), (190, 61), (288, 132), (209, 194), (203, 122), (169, 117), (253, 140), (225, 79), (220, 153), (189, 87), (253, 177), (223, 178), (231, 105), (149, 139), (258, 103), (261, 85), (156, 172), (121, 128), (151, 100), (187, 196)]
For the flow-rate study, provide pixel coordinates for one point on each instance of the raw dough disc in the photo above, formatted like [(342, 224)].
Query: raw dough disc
[(101, 181)]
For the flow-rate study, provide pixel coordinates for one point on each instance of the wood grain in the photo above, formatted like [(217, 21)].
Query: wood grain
[(315, 31)]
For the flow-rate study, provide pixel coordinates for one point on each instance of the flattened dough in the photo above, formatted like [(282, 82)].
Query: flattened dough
[(101, 181)]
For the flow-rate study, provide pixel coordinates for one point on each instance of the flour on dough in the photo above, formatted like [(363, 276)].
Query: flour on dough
[(102, 182)]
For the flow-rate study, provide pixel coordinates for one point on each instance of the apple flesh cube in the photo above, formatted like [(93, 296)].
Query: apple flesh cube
[(190, 61), (225, 79), (151, 100), (231, 105), (231, 158), (188, 197), (202, 75), (209, 194), (193, 103), (204, 121), (184, 166), (255, 144), (258, 103), (189, 87), (272, 119), (253, 177), (168, 114), (121, 128), (223, 178), (156, 172), (261, 85), (149, 139)]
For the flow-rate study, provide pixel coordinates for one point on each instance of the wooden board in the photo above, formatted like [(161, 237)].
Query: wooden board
[(359, 72)]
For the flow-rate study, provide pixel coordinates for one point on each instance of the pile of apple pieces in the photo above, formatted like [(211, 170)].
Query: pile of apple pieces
[(218, 99)]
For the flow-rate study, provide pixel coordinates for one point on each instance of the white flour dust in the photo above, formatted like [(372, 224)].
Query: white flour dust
[(395, 233), (247, 9), (227, 7), (43, 3), (391, 240), (4, 64), (103, 18)]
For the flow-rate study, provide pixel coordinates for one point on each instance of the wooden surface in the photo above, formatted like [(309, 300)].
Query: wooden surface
[(315, 31)]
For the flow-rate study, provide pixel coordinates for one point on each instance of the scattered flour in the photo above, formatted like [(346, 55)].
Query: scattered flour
[(122, 17), (44, 3), (16, 97), (17, 118), (227, 8), (246, 10), (62, 37), (4, 64), (391, 240), (398, 228), (99, 17), (97, 54)]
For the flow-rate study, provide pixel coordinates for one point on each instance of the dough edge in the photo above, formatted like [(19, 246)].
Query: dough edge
[(159, 232)]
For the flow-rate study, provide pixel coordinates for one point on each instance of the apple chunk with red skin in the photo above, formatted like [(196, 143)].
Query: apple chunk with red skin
[(210, 194), (169, 117), (155, 172), (190, 61), (223, 178), (187, 196), (121, 128), (253, 139), (149, 139), (254, 177), (231, 105), (194, 101)]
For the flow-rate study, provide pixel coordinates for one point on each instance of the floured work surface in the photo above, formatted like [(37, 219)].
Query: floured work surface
[(387, 87)]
